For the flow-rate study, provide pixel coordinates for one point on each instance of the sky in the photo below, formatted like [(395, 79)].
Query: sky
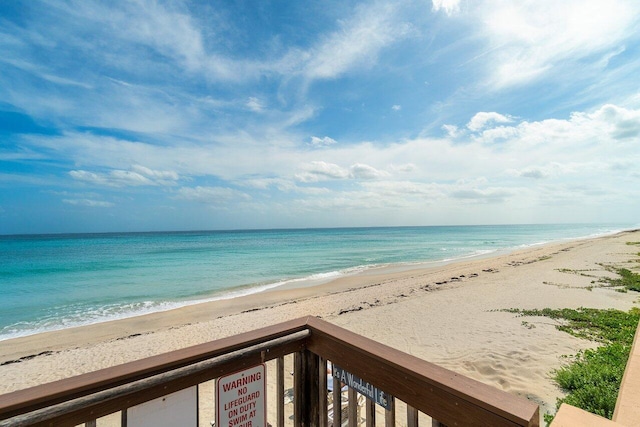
[(189, 115)]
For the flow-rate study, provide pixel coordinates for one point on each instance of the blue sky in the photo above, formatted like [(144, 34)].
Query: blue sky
[(152, 115)]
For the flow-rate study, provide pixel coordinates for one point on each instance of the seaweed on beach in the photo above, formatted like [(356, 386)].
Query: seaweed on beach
[(25, 358)]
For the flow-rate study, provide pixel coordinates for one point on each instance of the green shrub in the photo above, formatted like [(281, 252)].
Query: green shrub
[(628, 279), (603, 326), (592, 379)]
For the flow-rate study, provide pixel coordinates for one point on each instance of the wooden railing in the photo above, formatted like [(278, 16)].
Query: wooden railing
[(417, 385)]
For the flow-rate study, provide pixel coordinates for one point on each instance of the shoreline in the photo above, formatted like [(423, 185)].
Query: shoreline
[(315, 281), (224, 306), (447, 314), (284, 294)]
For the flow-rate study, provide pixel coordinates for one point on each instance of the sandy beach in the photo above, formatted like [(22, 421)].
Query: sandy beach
[(447, 314)]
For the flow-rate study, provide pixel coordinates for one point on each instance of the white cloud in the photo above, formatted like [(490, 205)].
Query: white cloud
[(396, 107), (137, 176), (452, 131), (211, 195), (158, 176), (284, 185), (448, 6), (532, 158), (340, 202), (266, 183), (361, 171), (255, 105), (117, 178), (491, 195), (407, 167), (623, 123), (481, 119), (499, 133), (608, 123), (531, 172), (322, 142), (579, 138), (530, 39), (404, 189), (321, 171), (554, 169), (88, 202)]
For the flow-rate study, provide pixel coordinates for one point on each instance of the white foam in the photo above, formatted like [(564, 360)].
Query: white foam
[(117, 312), (114, 312)]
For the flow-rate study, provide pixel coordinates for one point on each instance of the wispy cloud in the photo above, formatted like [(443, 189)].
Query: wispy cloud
[(357, 43), (321, 171), (211, 195), (89, 203), (137, 176), (532, 39)]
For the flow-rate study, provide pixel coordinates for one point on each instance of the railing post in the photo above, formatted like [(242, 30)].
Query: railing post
[(390, 414), (337, 403), (280, 391), (322, 395), (371, 413), (306, 412), (352, 418), (412, 416)]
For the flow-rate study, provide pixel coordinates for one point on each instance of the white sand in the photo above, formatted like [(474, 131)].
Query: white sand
[(454, 324)]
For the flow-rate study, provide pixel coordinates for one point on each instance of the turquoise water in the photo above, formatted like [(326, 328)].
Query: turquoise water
[(50, 282)]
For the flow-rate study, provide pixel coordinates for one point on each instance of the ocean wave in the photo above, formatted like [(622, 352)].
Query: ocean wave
[(426, 251), (82, 316)]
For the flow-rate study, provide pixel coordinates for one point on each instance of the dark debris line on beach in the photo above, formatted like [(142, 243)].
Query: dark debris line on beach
[(29, 357)]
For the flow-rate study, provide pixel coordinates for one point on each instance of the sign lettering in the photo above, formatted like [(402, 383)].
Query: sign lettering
[(380, 397), (241, 398)]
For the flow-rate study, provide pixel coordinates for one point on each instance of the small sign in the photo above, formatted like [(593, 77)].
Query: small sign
[(358, 384), (241, 398)]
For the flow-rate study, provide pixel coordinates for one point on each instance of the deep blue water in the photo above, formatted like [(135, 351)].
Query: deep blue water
[(56, 281)]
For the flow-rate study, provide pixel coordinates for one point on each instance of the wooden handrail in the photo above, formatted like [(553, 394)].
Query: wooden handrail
[(443, 394), (62, 410), (49, 394), (627, 410), (448, 397)]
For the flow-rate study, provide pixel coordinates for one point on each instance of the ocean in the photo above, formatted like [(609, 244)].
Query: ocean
[(50, 282)]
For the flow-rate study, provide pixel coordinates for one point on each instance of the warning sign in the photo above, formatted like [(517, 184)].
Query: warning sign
[(241, 399)]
